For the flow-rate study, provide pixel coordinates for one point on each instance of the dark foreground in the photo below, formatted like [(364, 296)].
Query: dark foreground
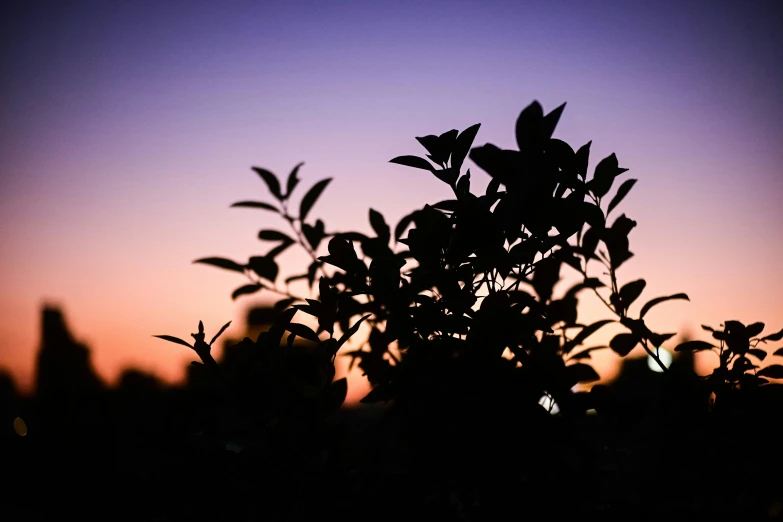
[(655, 450), (370, 464)]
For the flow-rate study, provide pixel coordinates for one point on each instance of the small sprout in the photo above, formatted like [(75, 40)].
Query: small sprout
[(199, 337), (200, 347)]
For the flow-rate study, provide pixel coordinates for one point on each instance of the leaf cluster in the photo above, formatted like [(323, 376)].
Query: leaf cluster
[(456, 313), (464, 288), (740, 358), (459, 303)]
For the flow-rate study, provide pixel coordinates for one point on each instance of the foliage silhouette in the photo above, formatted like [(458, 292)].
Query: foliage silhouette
[(454, 318), (203, 349), (737, 375), (474, 278)]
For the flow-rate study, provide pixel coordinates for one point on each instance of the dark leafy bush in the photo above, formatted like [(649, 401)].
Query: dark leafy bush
[(470, 288), (462, 332)]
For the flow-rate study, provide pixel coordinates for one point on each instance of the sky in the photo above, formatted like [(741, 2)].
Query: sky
[(128, 128)]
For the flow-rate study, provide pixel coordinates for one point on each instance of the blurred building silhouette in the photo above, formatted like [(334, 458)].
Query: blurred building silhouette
[(64, 370)]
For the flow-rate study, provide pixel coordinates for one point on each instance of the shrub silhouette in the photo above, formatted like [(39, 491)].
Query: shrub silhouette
[(464, 334), (452, 297), (737, 377)]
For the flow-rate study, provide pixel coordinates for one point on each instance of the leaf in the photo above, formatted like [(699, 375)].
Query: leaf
[(631, 291), (658, 339), (271, 182), (310, 309), (652, 302), (244, 290), (314, 234), (311, 197), (758, 353), (463, 185), (603, 177), (593, 215), (342, 254), (352, 330), (264, 266), (279, 249), (462, 146), (223, 329), (283, 304), (752, 330), (736, 326), (413, 161), (582, 158), (222, 263), (589, 243), (582, 372), (293, 181), (774, 337), (774, 371), (778, 352), (435, 148), (311, 272), (403, 224), (446, 142), (447, 205), (623, 343), (255, 204), (621, 193), (528, 125), (588, 283), (303, 331), (173, 339), (274, 235), (550, 122), (274, 335), (378, 224), (694, 346), (448, 176), (562, 155), (584, 334)]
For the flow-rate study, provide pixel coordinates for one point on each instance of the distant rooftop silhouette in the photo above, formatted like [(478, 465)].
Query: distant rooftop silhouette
[(63, 366)]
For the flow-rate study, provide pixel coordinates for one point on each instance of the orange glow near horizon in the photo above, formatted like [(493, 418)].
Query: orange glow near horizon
[(118, 343), (127, 133)]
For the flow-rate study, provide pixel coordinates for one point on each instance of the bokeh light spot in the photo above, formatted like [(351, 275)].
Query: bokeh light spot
[(549, 404), (20, 427), (664, 355)]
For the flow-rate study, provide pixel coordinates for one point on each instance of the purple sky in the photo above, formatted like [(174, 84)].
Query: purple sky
[(129, 127)]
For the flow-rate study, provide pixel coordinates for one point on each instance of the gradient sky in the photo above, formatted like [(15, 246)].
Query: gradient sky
[(128, 128)]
